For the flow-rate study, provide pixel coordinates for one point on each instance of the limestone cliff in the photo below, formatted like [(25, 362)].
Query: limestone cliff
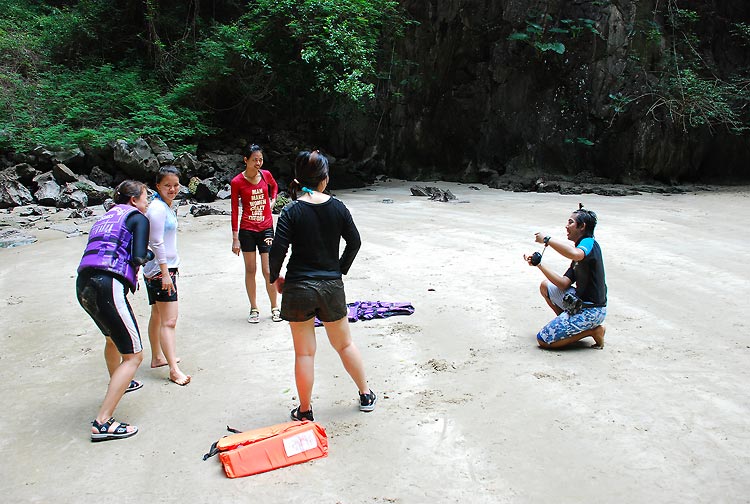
[(624, 89)]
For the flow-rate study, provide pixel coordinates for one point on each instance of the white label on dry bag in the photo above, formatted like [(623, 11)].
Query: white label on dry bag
[(299, 443)]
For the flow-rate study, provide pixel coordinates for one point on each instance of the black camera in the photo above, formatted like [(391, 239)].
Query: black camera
[(571, 303), (536, 258)]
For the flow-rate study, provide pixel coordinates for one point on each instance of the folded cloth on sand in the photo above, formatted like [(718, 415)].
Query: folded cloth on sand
[(368, 310)]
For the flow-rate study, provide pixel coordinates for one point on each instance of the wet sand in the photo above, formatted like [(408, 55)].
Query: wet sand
[(470, 410)]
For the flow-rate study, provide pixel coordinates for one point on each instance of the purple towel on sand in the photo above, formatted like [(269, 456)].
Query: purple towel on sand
[(368, 310)]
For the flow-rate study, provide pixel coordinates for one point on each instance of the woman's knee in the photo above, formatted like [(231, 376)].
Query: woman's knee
[(135, 358), (339, 334), (304, 348), (169, 323), (266, 273), (343, 345)]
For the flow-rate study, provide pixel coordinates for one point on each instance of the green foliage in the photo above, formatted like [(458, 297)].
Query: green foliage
[(682, 19), (653, 32), (282, 200), (685, 88), (580, 141), (619, 102), (544, 35), (285, 50), (95, 105), (94, 70), (742, 32), (557, 47), (699, 101)]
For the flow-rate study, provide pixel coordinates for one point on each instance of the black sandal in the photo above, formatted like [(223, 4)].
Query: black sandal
[(103, 434), (301, 416), (134, 385)]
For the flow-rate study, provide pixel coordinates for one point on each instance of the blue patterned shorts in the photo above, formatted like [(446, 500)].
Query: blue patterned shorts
[(566, 325)]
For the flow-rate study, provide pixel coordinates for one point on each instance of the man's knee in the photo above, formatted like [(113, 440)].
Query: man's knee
[(544, 289)]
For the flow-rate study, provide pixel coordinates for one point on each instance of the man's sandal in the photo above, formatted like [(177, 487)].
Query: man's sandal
[(276, 314), (103, 433), (254, 316)]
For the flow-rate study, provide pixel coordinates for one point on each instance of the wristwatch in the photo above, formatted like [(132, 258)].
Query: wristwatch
[(546, 240)]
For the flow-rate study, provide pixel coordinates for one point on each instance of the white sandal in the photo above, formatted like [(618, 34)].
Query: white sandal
[(254, 316), (276, 314)]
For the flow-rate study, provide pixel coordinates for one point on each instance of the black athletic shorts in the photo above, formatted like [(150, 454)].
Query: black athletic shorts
[(250, 239), (306, 299), (103, 296), (156, 293)]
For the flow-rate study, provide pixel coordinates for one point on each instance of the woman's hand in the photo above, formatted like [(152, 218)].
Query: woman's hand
[(279, 284), (236, 246), (539, 237), (167, 284)]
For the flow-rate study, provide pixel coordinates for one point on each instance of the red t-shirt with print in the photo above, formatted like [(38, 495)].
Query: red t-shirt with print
[(255, 198)]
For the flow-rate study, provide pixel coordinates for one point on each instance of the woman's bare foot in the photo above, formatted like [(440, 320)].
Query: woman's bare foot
[(155, 363), (598, 336), (179, 377)]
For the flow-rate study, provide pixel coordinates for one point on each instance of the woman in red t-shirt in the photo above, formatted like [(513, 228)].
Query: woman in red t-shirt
[(256, 190)]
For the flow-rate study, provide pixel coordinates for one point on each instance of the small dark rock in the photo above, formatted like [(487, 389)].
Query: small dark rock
[(29, 211), (80, 213), (100, 177), (201, 210), (63, 174)]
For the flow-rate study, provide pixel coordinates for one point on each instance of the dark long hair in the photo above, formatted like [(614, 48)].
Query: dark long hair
[(167, 170), (587, 217), (249, 149), (309, 169), (128, 189)]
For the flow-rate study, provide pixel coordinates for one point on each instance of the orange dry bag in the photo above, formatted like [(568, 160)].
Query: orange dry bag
[(269, 448)]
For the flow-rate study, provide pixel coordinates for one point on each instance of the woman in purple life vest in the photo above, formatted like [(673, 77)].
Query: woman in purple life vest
[(116, 249)]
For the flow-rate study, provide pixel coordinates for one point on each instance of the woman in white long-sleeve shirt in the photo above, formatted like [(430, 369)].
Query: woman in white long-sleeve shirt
[(161, 274)]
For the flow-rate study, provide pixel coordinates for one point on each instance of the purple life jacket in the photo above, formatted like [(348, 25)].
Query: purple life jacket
[(109, 244)]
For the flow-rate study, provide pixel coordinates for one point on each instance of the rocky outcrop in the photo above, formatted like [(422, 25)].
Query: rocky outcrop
[(12, 191), (49, 191), (205, 190), (137, 161), (486, 93), (163, 155), (63, 174), (100, 177), (95, 193)]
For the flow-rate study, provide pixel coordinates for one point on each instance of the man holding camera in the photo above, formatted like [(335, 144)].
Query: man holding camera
[(581, 309)]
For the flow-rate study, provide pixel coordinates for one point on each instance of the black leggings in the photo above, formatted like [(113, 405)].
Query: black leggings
[(103, 296)]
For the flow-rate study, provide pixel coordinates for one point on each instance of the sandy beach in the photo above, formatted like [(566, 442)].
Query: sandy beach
[(469, 410)]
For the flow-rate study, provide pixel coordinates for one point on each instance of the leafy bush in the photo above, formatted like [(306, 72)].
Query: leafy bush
[(544, 34), (291, 50), (95, 105), (94, 70), (686, 88)]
